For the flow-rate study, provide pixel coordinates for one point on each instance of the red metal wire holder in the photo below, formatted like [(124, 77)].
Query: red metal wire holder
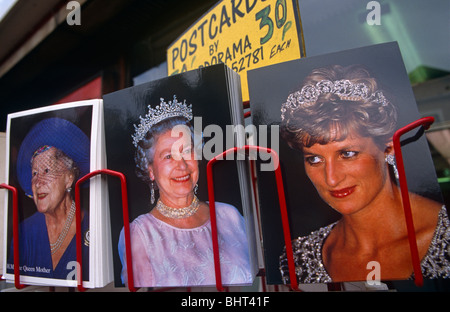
[(283, 210), (425, 123), (16, 255), (126, 226)]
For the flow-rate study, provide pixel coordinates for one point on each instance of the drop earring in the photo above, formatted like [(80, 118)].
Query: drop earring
[(152, 194), (195, 189), (390, 159)]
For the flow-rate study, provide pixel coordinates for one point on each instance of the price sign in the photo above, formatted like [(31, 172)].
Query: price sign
[(243, 34)]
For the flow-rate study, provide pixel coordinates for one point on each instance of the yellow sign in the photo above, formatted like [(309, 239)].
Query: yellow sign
[(243, 34)]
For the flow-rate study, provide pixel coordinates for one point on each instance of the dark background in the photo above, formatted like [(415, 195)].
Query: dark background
[(206, 90), (269, 88), (19, 127)]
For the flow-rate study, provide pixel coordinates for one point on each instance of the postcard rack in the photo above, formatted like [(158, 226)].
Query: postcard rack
[(211, 198), (423, 122), (15, 198), (281, 199), (126, 225)]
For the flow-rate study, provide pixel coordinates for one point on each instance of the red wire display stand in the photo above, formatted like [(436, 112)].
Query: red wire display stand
[(13, 190), (126, 226), (282, 202), (425, 123)]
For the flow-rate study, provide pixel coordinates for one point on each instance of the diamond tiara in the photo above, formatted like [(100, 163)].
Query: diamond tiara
[(161, 112), (345, 89)]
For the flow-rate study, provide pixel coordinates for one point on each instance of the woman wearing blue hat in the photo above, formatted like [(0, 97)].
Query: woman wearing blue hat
[(53, 155)]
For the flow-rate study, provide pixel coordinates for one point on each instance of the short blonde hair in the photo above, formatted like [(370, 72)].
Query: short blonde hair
[(315, 122)]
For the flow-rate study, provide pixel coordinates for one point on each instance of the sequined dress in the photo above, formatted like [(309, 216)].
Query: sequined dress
[(309, 266)]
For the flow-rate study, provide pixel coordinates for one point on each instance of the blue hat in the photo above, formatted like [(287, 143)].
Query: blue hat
[(58, 133)]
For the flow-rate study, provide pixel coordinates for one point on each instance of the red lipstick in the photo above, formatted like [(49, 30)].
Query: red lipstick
[(343, 192)]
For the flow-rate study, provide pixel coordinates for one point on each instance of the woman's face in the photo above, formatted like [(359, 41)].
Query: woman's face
[(49, 182), (349, 175), (174, 167)]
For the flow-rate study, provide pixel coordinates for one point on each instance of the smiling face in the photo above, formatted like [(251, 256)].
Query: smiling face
[(174, 169), (350, 174), (50, 180)]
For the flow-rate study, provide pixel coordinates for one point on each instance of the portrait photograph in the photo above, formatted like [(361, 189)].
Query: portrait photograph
[(169, 215), (337, 114), (48, 150)]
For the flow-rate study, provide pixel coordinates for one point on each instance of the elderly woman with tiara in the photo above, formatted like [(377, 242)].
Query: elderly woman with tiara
[(172, 243), (343, 124)]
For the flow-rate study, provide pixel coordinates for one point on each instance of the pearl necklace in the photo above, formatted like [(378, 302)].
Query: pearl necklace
[(62, 236), (178, 213)]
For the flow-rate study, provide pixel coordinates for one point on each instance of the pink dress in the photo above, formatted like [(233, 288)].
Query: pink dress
[(164, 255)]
